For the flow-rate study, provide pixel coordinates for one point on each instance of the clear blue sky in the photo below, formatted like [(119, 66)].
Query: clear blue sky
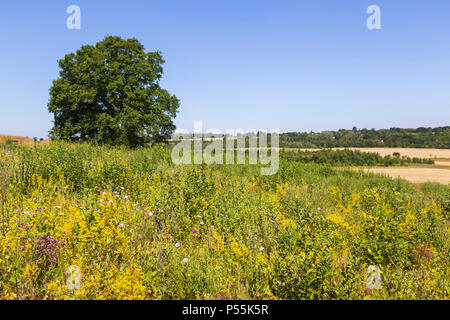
[(289, 65)]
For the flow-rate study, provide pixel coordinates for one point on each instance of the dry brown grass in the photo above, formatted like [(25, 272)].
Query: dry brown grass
[(19, 139), (442, 163), (4, 138), (422, 254)]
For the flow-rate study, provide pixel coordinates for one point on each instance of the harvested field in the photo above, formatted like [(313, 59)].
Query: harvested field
[(409, 152), (19, 139), (4, 138), (442, 163), (415, 175), (215, 223)]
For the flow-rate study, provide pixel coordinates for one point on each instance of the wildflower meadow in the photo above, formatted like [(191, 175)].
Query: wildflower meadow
[(80, 221)]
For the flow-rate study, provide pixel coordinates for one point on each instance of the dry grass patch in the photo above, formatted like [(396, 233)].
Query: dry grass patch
[(19, 139)]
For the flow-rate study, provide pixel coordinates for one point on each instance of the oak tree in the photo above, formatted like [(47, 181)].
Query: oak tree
[(110, 93)]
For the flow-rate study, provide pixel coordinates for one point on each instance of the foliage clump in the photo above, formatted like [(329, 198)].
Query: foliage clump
[(110, 94)]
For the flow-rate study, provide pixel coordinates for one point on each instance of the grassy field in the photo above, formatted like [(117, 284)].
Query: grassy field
[(128, 224)]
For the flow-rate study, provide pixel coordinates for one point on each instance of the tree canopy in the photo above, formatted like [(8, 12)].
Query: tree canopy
[(110, 93)]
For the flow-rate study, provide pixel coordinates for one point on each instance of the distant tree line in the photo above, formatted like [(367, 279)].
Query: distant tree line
[(351, 158), (394, 137), (110, 93)]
